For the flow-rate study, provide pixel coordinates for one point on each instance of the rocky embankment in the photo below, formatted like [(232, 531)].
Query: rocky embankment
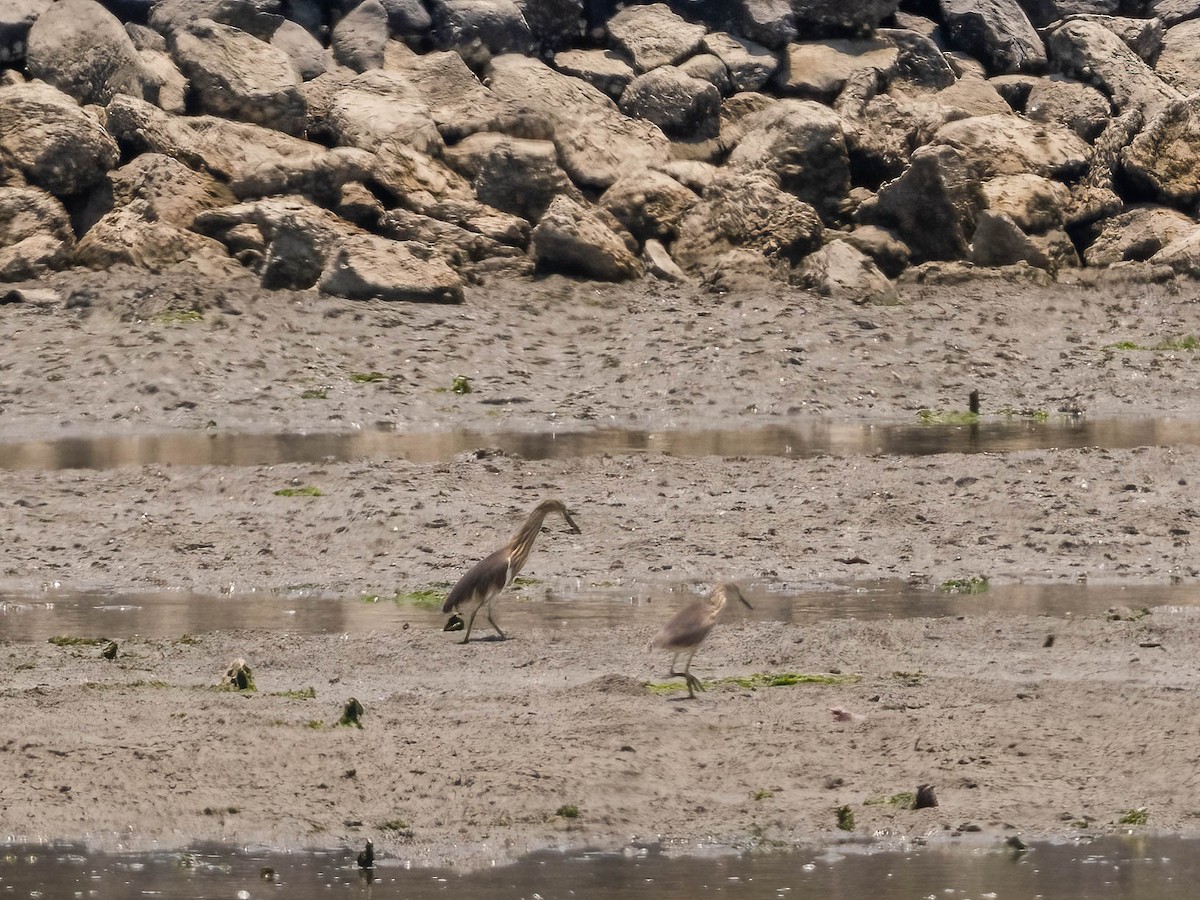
[(403, 148)]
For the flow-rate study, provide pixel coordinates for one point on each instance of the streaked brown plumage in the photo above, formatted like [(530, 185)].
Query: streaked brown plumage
[(685, 631), (487, 578)]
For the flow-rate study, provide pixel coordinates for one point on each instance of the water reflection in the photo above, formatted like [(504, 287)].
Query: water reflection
[(1115, 868), (172, 613), (808, 440)]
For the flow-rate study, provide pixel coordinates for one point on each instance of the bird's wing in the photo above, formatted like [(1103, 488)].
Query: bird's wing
[(687, 628), (486, 577)]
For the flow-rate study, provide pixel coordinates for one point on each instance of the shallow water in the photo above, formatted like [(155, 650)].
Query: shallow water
[(808, 440), (170, 614), (1114, 868)]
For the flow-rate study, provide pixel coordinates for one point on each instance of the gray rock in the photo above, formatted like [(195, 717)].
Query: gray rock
[(408, 19), (1034, 203), (461, 246), (1143, 36), (480, 29), (998, 241), (750, 65), (1182, 255), (841, 17), (145, 37), (83, 50), (555, 24), (259, 18), (357, 41), (514, 175), (1172, 12), (53, 143), (131, 235), (996, 32), (235, 75), (653, 36), (1046, 12), (1089, 52), (1163, 161), (680, 105), (658, 263), (369, 267), (1095, 196), (571, 239), (1008, 145), (842, 271), (706, 67), (938, 186), (1137, 234), (819, 70), (771, 23), (1179, 62), (307, 55), (747, 211), (602, 69), (162, 82), (920, 62), (35, 233), (379, 107), (649, 204), (1075, 105), (356, 203), (885, 248)]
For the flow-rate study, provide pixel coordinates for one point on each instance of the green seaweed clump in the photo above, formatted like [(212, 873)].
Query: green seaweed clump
[(947, 417), (238, 677), (307, 491), (367, 377), (352, 714), (1139, 816), (65, 640), (845, 818), (308, 693), (567, 811), (976, 584), (902, 800), (460, 385)]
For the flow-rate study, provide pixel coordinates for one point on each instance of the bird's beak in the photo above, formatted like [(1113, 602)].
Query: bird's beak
[(575, 528), (745, 602)]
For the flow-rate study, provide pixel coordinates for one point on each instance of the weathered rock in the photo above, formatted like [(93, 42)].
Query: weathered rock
[(996, 32), (1172, 12), (748, 211), (596, 143), (253, 161), (771, 23), (459, 245), (707, 67), (938, 186), (694, 175), (170, 191), (356, 203), (131, 235), (653, 36), (306, 54), (750, 65), (842, 271), (163, 84), (1182, 255), (1143, 36), (471, 215), (658, 263), (571, 239), (649, 204), (1095, 196), (381, 106), (459, 103), (35, 233), (890, 254), (479, 29), (602, 69), (841, 17), (517, 176), (1034, 203), (1077, 106), (803, 144), (369, 267), (1137, 234), (357, 41), (998, 241), (259, 18), (235, 75), (554, 24), (1045, 12), (415, 180), (1089, 52), (1163, 161), (145, 37), (51, 141), (1179, 62), (920, 62), (82, 49), (1008, 145), (680, 105), (408, 19), (819, 70), (16, 18)]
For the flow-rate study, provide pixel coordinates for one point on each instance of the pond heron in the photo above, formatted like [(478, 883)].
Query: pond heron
[(685, 631)]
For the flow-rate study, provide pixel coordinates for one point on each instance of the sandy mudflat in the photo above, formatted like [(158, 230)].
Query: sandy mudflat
[(468, 753)]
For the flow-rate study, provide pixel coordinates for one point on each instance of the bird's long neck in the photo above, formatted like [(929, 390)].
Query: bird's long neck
[(522, 542)]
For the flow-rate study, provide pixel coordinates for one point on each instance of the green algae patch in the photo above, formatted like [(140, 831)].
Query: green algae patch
[(67, 640), (976, 584), (758, 680), (947, 417), (308, 490)]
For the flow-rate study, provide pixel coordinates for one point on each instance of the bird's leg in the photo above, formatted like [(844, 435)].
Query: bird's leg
[(693, 683), (493, 621), (470, 622)]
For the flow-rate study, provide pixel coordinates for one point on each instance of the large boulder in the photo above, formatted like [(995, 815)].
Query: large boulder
[(996, 32), (819, 70), (1137, 234), (1062, 101), (35, 233), (1088, 51), (479, 29), (1182, 255), (841, 270), (359, 38), (803, 144), (750, 65), (299, 245), (16, 18), (572, 239), (307, 55), (172, 192), (1179, 61), (1163, 161), (253, 161), (554, 24), (596, 142), (649, 204), (379, 107), (235, 75), (256, 17), (602, 69), (771, 23), (1172, 12), (1008, 144), (82, 49), (920, 61), (841, 17), (682, 106), (51, 141), (1034, 203), (163, 84), (654, 35), (747, 211), (999, 241), (515, 175), (408, 20), (939, 186), (131, 235)]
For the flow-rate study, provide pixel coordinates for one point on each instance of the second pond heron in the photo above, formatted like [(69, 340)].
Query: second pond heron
[(492, 574), (685, 631)]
